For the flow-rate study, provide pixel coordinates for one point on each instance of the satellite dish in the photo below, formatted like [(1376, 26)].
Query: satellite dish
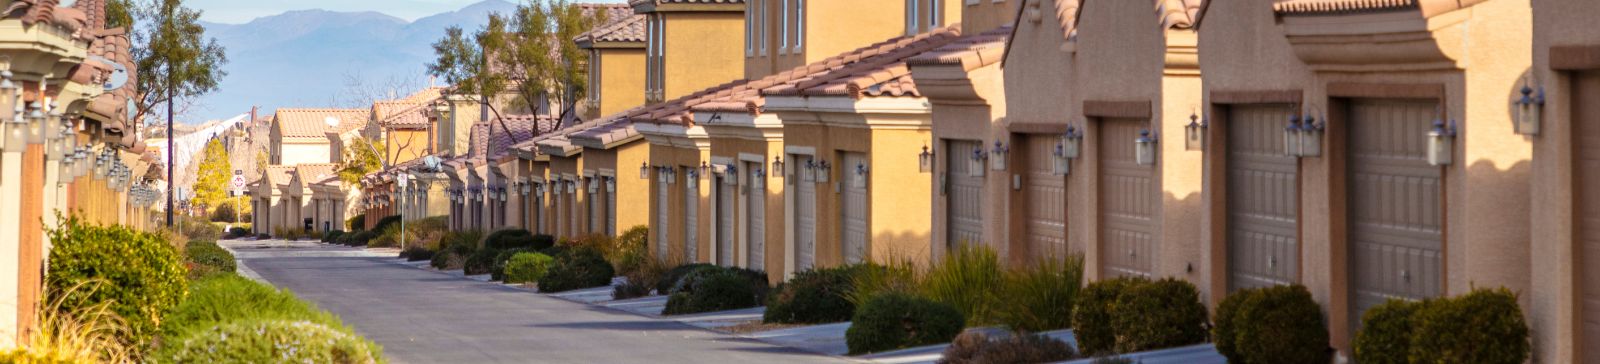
[(333, 122), (432, 162)]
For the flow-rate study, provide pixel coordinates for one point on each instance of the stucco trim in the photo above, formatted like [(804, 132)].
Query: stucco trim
[(1032, 127), (801, 150), (1117, 109), (1384, 90), (1575, 58), (1257, 97)]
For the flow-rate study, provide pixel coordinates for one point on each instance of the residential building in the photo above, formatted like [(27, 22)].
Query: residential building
[(301, 135), (269, 201), (693, 45), (299, 207), (616, 73)]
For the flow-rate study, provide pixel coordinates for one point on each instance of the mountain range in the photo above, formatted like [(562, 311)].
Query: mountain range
[(316, 58)]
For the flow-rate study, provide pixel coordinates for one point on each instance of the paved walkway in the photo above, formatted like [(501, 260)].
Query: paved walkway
[(428, 317)]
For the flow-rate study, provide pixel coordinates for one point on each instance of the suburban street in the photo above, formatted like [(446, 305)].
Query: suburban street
[(422, 316)]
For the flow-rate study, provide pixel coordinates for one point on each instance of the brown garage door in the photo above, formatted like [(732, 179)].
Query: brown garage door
[(663, 215), (1395, 201), (1586, 121), (725, 219), (756, 209), (805, 219), (1262, 203), (964, 210), (691, 216), (1046, 198), (1127, 201), (853, 210)]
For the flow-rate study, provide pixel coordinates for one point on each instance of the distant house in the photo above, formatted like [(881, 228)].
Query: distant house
[(302, 135)]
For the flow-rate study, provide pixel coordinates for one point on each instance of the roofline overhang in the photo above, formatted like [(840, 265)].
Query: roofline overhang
[(611, 45)]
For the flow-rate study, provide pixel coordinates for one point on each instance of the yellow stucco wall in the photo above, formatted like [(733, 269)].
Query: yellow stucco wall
[(406, 145), (832, 28), (978, 16), (622, 78), (633, 194), (704, 49), (900, 225)]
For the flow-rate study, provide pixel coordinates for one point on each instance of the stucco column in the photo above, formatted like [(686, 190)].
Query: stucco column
[(10, 249)]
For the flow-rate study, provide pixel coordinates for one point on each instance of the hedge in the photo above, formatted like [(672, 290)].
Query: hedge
[(1279, 324), (527, 267), (711, 290), (577, 269), (1386, 330), (814, 296), (892, 321), (1159, 314), (1092, 315), (509, 239), (206, 258), (140, 274)]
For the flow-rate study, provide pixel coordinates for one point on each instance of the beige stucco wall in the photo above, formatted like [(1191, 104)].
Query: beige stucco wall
[(1554, 310), (302, 153), (704, 49), (406, 145), (622, 78), (978, 16)]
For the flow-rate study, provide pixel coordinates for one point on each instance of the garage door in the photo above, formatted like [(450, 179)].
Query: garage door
[(1395, 203), (853, 209), (611, 207), (663, 215), (1586, 121), (562, 212), (1046, 198), (1127, 201), (725, 220), (691, 216), (1262, 199), (756, 209), (965, 195), (805, 215)]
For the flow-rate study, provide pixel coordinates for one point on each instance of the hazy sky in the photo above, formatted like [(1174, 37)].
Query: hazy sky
[(241, 11)]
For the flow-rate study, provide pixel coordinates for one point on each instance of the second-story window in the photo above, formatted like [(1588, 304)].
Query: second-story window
[(762, 15), (661, 55), (594, 76), (799, 24), (783, 26), (935, 14), (911, 16), (749, 29)]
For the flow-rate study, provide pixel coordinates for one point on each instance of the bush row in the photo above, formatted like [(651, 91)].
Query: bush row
[(1482, 326), (714, 288)]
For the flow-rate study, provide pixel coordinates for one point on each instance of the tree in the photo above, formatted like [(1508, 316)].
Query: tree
[(176, 61), (212, 177), (361, 158), (529, 54)]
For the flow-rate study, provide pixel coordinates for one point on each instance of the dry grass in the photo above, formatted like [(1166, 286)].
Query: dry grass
[(85, 335), (754, 326)]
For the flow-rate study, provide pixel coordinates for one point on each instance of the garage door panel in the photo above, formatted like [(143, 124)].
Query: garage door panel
[(965, 202), (725, 221), (1046, 220), (663, 216), (853, 212), (756, 207), (1127, 201), (1396, 204), (691, 216), (805, 218)]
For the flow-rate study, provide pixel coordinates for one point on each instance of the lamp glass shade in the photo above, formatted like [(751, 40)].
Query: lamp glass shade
[(1311, 142), (777, 165), (693, 182), (975, 165), (611, 185), (644, 171), (859, 178), (1194, 136), (824, 171), (16, 137), (1063, 165), (808, 172), (594, 186), (1145, 149), (1291, 140), (925, 161), (1440, 147), (997, 158), (1071, 145)]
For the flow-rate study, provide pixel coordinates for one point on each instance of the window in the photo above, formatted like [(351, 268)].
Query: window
[(935, 14), (749, 29), (911, 16), (783, 24), (762, 30), (594, 76), (799, 24)]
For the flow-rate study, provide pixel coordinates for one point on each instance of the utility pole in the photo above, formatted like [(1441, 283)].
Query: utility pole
[(171, 184)]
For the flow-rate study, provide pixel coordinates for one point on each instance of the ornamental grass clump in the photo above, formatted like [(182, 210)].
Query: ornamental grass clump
[(139, 275), (1039, 297), (814, 296), (893, 321), (274, 341), (87, 334), (219, 305), (966, 279)]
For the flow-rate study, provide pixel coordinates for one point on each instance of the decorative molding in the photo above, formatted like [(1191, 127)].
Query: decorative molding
[(1382, 90), (1117, 109), (1575, 58), (1035, 127), (1257, 97)]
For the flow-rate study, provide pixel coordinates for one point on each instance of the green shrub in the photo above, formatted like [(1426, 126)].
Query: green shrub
[(497, 270), (711, 290), (417, 252), (331, 235), (758, 281), (1039, 298), (1093, 312), (389, 237), (577, 269), (358, 222), (480, 262), (141, 274), (1482, 326), (527, 267), (1280, 324), (542, 242), (631, 250), (447, 260), (385, 222), (206, 258), (509, 239), (1224, 333), (238, 232), (814, 296), (671, 278), (363, 238), (895, 320), (228, 297), (274, 341), (1385, 335), (952, 279), (1159, 314), (640, 281), (1020, 348)]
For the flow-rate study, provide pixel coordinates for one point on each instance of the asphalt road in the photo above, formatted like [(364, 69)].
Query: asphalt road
[(428, 317)]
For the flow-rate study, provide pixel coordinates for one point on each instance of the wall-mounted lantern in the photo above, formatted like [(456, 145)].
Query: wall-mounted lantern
[(777, 165), (611, 184), (693, 182), (502, 193), (824, 171), (1291, 136), (527, 188), (1195, 133), (572, 187), (705, 169), (760, 178), (997, 156), (1145, 148), (925, 160), (808, 172), (860, 178), (1066, 149), (1530, 111), (644, 170), (730, 176), (594, 186), (1311, 137), (975, 165), (1441, 143)]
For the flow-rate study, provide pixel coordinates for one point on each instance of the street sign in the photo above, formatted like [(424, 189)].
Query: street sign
[(238, 182)]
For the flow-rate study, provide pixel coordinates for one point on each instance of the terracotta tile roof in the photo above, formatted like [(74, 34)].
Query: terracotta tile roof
[(600, 136), (614, 12), (970, 51), (313, 123), (383, 110), (522, 132), (659, 2), (1428, 8), (278, 175), (314, 172), (332, 180), (628, 28), (876, 70)]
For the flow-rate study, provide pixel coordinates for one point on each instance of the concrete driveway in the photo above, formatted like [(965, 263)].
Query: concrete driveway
[(428, 317)]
